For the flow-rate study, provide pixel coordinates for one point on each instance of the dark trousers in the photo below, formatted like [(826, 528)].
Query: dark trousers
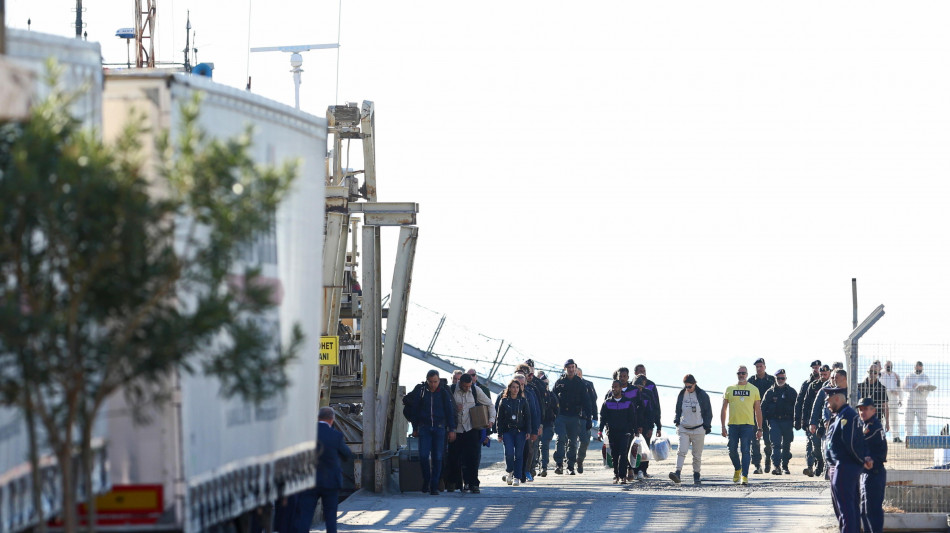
[(757, 446), (781, 433), (569, 429), (845, 495), (619, 446), (463, 458), (530, 451), (583, 441), (431, 448), (546, 436), (872, 499), (814, 450)]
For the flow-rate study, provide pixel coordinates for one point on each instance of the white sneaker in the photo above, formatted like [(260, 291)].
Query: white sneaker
[(510, 477), (516, 482), (640, 476)]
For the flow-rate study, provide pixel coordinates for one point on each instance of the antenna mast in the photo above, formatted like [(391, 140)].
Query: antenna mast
[(296, 60), (78, 19), (145, 22), (187, 42)]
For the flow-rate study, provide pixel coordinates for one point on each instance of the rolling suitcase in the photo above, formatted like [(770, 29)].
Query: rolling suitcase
[(410, 469)]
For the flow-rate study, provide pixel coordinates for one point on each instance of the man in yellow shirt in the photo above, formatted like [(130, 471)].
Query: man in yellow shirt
[(743, 402)]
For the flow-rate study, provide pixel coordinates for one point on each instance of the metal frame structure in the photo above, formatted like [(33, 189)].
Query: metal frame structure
[(145, 22), (851, 351), (381, 360)]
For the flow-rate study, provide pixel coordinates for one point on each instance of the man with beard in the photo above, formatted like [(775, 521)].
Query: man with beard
[(778, 409), (763, 382)]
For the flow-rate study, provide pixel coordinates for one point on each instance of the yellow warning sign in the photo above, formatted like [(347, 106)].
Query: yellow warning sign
[(330, 350)]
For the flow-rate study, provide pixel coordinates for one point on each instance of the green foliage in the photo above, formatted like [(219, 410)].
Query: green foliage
[(112, 277)]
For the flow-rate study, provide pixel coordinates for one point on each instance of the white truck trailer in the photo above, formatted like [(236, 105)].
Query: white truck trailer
[(204, 460)]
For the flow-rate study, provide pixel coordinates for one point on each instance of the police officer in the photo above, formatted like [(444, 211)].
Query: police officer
[(811, 454), (778, 409), (874, 479), (846, 456), (762, 381)]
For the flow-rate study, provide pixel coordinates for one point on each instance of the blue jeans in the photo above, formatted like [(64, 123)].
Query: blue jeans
[(569, 429), (742, 434), (781, 433), (431, 442), (514, 452)]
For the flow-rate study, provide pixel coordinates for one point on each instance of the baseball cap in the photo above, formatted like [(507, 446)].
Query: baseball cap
[(865, 402), (759, 360), (835, 390), (570, 362)]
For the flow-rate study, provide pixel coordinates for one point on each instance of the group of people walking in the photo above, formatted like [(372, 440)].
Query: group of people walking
[(759, 416)]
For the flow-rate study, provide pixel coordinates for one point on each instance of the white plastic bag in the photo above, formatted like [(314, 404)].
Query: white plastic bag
[(643, 449), (660, 448)]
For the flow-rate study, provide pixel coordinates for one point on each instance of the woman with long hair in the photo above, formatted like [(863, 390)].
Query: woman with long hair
[(512, 423)]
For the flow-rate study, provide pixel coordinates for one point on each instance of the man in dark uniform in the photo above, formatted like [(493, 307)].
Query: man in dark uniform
[(872, 388), (816, 455), (573, 400), (778, 409), (763, 382), (873, 480), (800, 408), (846, 456)]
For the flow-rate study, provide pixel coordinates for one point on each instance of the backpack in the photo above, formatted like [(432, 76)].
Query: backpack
[(410, 402)]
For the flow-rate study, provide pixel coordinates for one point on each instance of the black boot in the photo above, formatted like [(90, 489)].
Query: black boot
[(696, 480)]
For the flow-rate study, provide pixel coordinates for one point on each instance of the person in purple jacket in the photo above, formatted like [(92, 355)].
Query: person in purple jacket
[(618, 417)]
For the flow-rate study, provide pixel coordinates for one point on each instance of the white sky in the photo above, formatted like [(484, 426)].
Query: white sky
[(687, 184)]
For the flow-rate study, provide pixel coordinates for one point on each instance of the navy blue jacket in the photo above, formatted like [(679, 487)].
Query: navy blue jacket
[(652, 404), (535, 406), (779, 403), (876, 442), (800, 401), (331, 451), (435, 409), (845, 438), (572, 396), (591, 412)]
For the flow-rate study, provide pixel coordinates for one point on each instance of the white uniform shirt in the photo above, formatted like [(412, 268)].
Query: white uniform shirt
[(891, 381), (911, 384)]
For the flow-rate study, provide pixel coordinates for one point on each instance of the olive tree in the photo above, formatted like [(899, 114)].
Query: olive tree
[(95, 255)]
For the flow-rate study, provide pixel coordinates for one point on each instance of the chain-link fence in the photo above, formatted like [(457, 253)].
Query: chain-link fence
[(916, 378)]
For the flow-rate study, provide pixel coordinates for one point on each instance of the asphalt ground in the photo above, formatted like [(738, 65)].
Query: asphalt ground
[(591, 502)]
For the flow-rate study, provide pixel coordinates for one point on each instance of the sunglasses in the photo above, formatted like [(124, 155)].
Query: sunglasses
[(781, 378), (689, 385), (742, 373)]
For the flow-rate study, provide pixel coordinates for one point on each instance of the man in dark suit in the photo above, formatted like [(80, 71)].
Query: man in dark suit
[(331, 451)]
